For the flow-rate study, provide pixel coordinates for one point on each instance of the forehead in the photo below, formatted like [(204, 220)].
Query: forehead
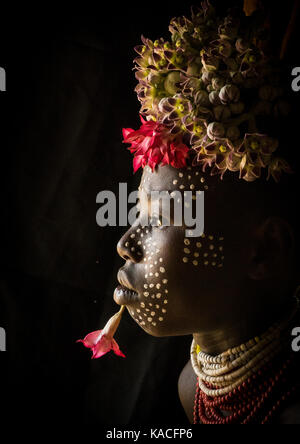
[(167, 178)]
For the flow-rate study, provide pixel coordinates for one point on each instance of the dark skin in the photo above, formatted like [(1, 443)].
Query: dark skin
[(229, 289)]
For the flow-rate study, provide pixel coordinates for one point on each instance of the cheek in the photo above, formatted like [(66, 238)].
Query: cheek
[(204, 252), (154, 294), (169, 272)]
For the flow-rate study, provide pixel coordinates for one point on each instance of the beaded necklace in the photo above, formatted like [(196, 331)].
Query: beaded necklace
[(249, 382)]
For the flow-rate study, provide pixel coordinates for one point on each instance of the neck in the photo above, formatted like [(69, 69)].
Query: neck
[(238, 331)]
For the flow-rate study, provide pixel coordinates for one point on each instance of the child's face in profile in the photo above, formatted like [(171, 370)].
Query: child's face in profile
[(176, 278)]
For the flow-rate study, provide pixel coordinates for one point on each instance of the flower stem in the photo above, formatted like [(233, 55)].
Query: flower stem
[(122, 309)]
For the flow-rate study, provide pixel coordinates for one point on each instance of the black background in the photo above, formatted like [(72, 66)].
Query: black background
[(70, 91)]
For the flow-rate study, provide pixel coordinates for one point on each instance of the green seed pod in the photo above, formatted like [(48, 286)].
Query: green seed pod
[(201, 98), (233, 133), (170, 82), (214, 98), (229, 93), (217, 83), (215, 130), (237, 108), (222, 112)]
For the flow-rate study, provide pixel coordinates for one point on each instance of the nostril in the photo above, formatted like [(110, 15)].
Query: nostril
[(129, 249)]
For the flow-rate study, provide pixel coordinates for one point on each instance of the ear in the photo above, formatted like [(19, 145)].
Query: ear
[(272, 249)]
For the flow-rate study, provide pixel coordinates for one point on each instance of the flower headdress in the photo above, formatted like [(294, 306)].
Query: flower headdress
[(202, 94)]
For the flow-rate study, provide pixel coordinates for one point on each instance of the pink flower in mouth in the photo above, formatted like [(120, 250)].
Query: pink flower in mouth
[(102, 341)]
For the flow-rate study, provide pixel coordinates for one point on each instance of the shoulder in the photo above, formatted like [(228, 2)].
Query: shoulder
[(291, 414), (187, 389)]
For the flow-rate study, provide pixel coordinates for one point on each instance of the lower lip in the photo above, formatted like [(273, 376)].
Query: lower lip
[(124, 296)]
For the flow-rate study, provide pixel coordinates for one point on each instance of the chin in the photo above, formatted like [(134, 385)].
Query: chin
[(159, 331)]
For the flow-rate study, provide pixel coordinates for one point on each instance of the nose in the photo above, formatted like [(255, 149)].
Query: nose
[(128, 248)]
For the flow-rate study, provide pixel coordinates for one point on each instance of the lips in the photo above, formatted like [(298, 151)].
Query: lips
[(124, 295)]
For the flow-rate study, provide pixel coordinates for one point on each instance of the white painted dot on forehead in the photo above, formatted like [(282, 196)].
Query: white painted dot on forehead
[(180, 174), (175, 182)]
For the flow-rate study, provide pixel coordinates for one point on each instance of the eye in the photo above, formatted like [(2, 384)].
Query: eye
[(138, 208), (158, 221)]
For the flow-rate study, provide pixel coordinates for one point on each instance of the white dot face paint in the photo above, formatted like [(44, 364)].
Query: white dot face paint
[(210, 252), (155, 285)]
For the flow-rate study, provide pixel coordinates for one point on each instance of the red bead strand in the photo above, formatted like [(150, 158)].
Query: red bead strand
[(257, 400)]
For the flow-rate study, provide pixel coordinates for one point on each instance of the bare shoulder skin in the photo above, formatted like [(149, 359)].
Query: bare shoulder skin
[(187, 388)]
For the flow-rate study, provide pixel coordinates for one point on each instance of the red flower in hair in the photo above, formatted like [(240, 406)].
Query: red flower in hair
[(153, 144)]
